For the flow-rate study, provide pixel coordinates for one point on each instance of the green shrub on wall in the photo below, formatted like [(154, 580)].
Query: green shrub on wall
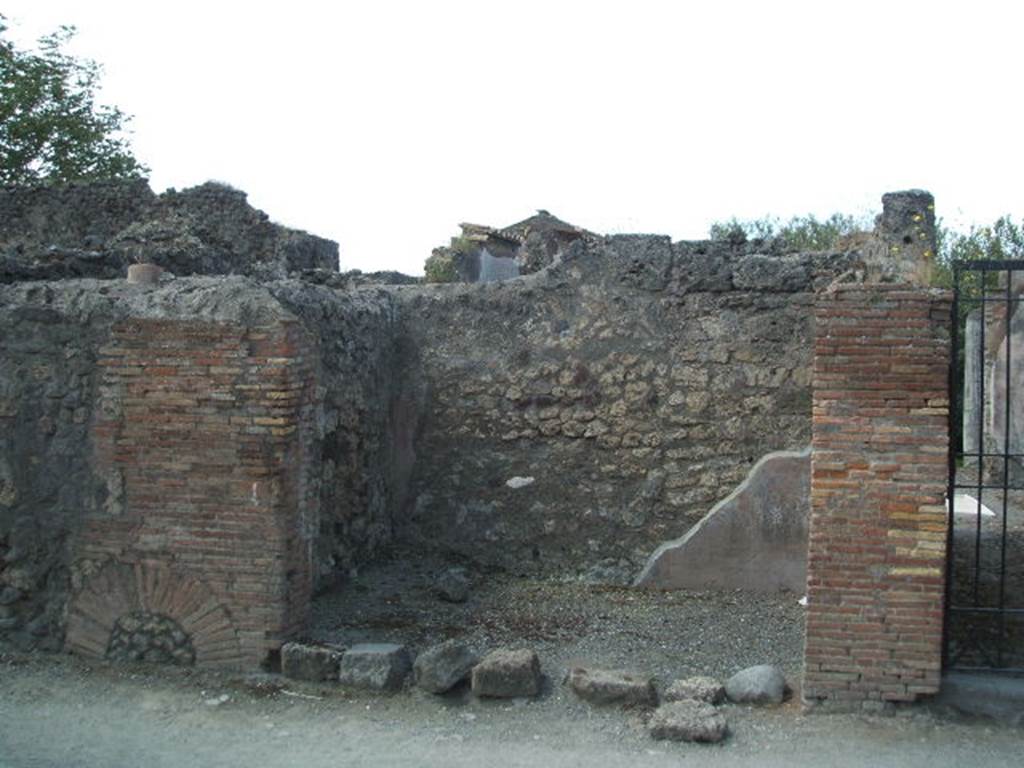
[(440, 267)]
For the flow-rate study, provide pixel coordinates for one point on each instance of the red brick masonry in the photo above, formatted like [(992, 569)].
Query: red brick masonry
[(201, 437), (876, 564)]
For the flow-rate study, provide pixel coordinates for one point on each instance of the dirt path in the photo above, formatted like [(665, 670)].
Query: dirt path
[(64, 713)]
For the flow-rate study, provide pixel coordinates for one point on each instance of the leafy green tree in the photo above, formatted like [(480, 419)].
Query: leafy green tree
[(1003, 240), (51, 127)]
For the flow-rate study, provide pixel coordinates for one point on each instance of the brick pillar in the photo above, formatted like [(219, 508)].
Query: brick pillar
[(876, 562), (202, 441)]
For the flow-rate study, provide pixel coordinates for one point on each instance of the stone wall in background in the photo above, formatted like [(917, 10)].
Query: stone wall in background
[(97, 229), (577, 418)]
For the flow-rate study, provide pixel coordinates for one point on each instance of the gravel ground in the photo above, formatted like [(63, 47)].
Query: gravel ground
[(57, 710), (664, 634)]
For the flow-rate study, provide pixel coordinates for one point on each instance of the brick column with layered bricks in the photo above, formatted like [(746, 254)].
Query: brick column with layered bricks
[(201, 443), (876, 563)]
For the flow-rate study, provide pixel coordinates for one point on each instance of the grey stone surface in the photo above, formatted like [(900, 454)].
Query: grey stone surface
[(377, 666), (973, 385), (601, 686), (688, 721), (631, 379), (763, 684), (310, 662), (441, 667), (905, 230), (756, 538), (97, 229), (1005, 411), (507, 674), (705, 689), (453, 585), (1000, 698)]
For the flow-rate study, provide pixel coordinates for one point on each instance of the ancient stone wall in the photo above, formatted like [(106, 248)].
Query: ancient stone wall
[(96, 229), (876, 562), (363, 445), (577, 418), (142, 445)]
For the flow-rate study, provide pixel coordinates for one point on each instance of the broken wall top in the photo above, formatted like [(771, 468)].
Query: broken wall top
[(96, 229)]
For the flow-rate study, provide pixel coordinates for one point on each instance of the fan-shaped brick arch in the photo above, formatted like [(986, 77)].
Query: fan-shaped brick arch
[(121, 588)]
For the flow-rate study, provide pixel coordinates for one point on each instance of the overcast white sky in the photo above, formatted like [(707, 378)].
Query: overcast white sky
[(383, 124)]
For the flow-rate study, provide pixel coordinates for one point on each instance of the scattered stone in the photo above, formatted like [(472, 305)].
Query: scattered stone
[(599, 686), (442, 667), (453, 585), (262, 684), (763, 684), (218, 700), (618, 573), (10, 595), (507, 674), (516, 483), (378, 666), (705, 689), (688, 721), (309, 662)]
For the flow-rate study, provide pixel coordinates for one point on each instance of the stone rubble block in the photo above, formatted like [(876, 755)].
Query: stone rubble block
[(507, 674), (441, 667), (600, 687), (763, 684), (453, 585), (705, 689), (376, 666), (310, 662), (688, 721)]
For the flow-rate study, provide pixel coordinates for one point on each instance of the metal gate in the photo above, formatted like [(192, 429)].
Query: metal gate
[(985, 574)]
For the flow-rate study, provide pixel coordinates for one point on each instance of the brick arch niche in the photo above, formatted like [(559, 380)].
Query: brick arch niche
[(151, 594)]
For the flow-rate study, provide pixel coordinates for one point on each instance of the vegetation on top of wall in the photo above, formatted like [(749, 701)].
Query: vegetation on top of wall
[(51, 127), (799, 233), (1003, 239), (442, 265)]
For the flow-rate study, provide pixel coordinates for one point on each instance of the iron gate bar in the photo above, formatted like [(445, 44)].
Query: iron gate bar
[(1006, 470), (975, 639)]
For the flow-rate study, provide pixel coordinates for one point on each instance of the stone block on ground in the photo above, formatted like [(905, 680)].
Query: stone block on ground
[(688, 721), (377, 666), (507, 674), (705, 689), (442, 667), (763, 684), (310, 662), (600, 686), (452, 585)]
